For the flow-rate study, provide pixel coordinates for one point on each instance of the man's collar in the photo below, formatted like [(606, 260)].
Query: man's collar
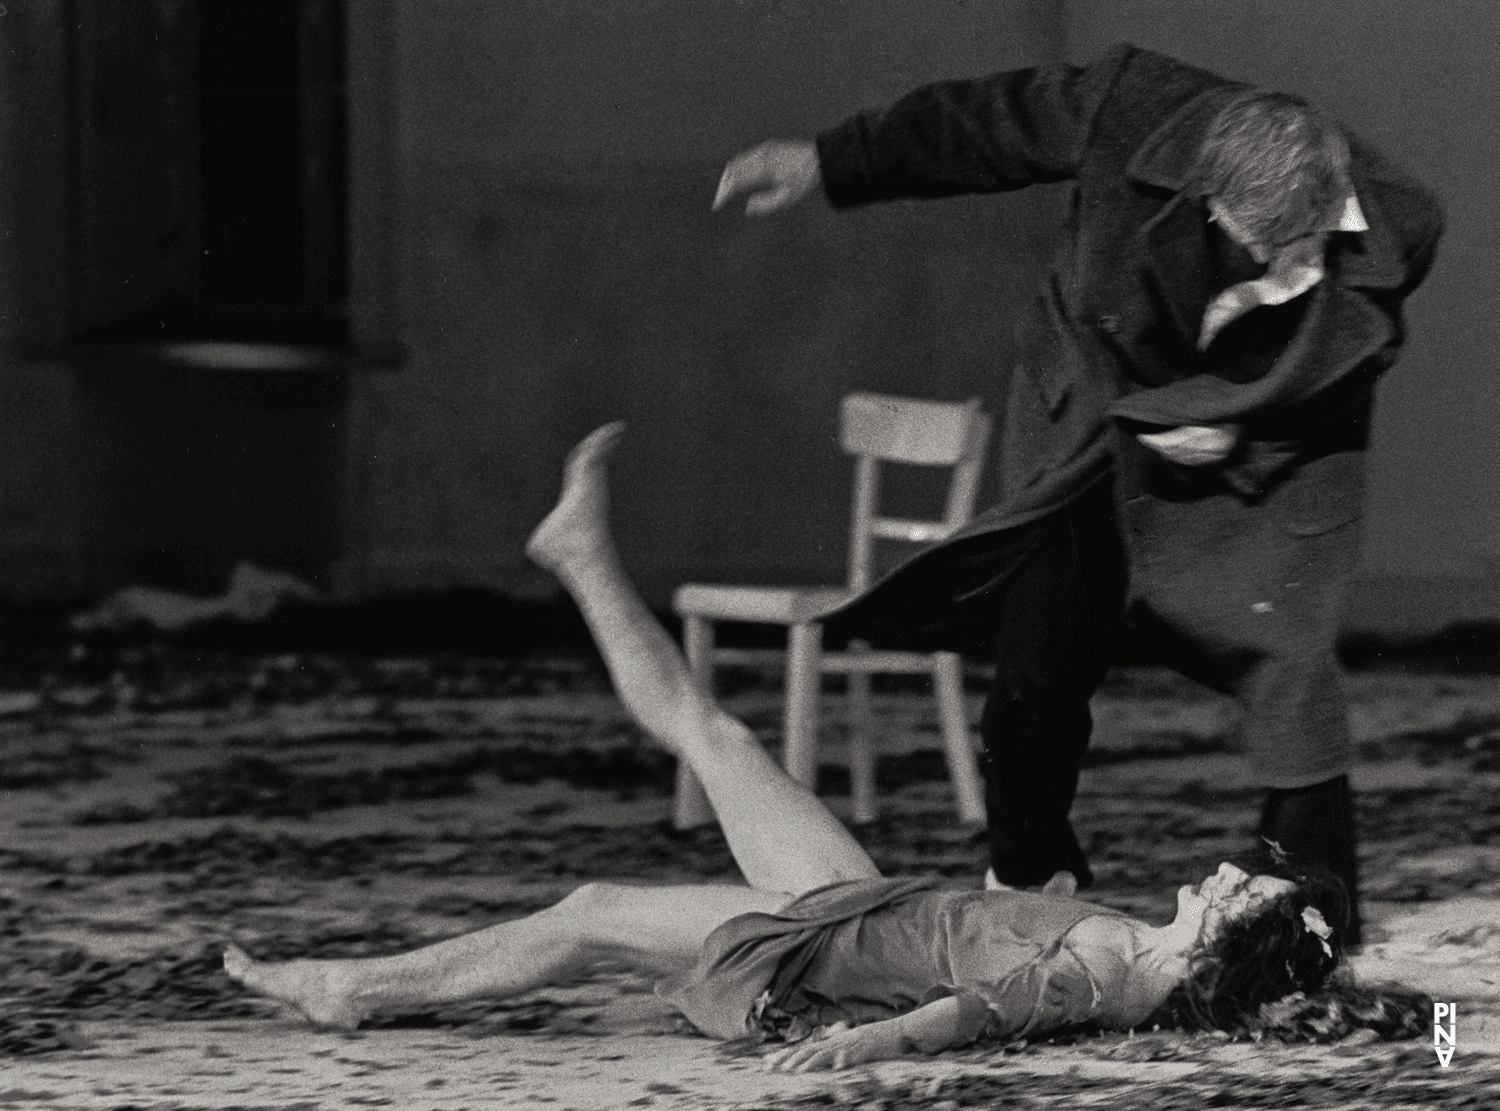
[(1352, 218)]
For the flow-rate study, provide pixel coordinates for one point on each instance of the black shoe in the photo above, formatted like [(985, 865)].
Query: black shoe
[(1314, 827), (1017, 861)]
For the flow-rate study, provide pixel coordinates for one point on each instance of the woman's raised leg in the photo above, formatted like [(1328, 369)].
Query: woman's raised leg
[(656, 929), (782, 837)]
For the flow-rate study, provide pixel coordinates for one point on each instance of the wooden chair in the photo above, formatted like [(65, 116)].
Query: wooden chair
[(874, 428)]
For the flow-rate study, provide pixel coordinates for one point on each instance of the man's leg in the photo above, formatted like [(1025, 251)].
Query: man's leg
[(782, 837), (658, 929), (1057, 624), (1314, 826), (1297, 738), (1252, 608)]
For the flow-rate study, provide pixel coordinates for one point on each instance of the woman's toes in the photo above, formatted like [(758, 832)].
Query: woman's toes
[(594, 448), (577, 525), (237, 963)]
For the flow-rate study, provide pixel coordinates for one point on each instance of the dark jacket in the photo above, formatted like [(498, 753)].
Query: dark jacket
[(1108, 347)]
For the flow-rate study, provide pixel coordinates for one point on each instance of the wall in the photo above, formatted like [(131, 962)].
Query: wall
[(38, 551), (1418, 80), (561, 268), (532, 181), (532, 254)]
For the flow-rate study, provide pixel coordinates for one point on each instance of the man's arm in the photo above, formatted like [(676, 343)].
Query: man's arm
[(994, 133), (1006, 131)]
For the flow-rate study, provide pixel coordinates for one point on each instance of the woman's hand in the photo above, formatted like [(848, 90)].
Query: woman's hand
[(777, 174), (931, 1028), (840, 1046), (1193, 445)]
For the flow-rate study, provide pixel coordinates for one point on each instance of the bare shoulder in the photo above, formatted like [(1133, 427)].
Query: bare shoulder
[(1108, 945), (1111, 932), (1105, 944)]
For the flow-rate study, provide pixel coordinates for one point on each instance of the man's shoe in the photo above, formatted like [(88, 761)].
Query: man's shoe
[(1314, 827)]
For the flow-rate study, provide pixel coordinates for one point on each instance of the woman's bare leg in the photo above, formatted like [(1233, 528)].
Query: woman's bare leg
[(782, 837), (657, 929)]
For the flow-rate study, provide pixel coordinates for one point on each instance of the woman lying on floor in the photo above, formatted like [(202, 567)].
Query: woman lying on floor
[(819, 943)]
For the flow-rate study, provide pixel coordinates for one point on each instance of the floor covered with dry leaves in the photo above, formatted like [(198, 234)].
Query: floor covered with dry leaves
[(311, 805)]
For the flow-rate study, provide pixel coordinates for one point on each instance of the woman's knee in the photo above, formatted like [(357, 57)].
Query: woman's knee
[(586, 919), (604, 911), (595, 899), (623, 922), (728, 731), (679, 715)]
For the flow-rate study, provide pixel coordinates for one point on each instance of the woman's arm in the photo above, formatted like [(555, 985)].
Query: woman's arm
[(952, 1021)]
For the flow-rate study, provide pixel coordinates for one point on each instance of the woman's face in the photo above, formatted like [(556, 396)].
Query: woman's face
[(1228, 894)]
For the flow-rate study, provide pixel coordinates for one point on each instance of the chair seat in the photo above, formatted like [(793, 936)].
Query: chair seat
[(772, 605)]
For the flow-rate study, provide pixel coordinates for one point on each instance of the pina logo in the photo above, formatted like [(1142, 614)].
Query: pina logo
[(1440, 1034)]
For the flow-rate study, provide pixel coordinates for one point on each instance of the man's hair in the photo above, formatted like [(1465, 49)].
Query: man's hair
[(1275, 164)]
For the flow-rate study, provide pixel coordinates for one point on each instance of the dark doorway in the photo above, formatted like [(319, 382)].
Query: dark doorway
[(185, 472), (210, 171), (208, 279)]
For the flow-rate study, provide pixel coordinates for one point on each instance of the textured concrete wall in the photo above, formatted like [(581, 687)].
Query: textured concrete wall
[(38, 551), (531, 192), (561, 268)]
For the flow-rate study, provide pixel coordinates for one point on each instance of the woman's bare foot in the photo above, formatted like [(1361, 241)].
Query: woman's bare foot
[(578, 526), (319, 989)]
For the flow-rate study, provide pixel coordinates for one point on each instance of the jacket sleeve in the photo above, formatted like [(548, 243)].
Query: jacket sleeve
[(1005, 131)]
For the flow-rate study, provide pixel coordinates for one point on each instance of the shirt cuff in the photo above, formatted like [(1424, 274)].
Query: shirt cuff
[(843, 164)]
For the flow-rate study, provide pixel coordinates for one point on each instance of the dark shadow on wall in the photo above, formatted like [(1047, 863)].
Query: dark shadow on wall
[(183, 472), (437, 631)]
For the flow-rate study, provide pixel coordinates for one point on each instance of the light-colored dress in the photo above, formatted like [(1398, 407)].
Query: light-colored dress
[(872, 949)]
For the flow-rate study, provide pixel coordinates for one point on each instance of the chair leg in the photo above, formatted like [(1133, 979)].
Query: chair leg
[(861, 749), (948, 685), (690, 806), (800, 731)]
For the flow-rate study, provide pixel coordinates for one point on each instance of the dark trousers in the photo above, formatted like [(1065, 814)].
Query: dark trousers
[(1056, 626), (1058, 618), (1049, 599)]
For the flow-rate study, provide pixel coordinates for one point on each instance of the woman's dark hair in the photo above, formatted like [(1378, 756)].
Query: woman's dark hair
[(1269, 974), (1275, 164)]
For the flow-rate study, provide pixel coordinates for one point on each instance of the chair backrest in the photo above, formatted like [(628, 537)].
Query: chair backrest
[(879, 428)]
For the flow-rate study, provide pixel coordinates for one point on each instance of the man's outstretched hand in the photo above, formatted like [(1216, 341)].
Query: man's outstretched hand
[(775, 174)]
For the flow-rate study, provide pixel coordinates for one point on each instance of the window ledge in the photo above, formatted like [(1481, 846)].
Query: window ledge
[(223, 355)]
